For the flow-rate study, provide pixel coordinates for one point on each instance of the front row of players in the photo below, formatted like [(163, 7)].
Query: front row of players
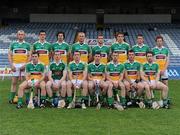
[(115, 85)]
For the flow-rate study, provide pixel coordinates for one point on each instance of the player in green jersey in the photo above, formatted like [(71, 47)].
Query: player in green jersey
[(18, 56), (34, 72), (96, 76), (121, 47), (114, 75), (43, 48), (82, 47), (62, 47), (133, 83), (57, 78), (150, 75), (101, 48), (161, 55), (140, 49), (77, 72)]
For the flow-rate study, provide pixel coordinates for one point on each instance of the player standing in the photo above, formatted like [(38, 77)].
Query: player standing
[(121, 47), (101, 48), (18, 56)]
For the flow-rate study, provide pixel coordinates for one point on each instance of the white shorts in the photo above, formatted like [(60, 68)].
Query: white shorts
[(56, 81), (97, 81), (77, 82), (30, 82), (17, 73), (165, 75)]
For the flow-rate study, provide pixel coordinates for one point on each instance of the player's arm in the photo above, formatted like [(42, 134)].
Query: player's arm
[(85, 73), (90, 78), (107, 74), (43, 75), (89, 54), (27, 73), (50, 76), (108, 77), (157, 76), (70, 73), (121, 76), (157, 73), (143, 76), (126, 76), (64, 75), (167, 63), (10, 57)]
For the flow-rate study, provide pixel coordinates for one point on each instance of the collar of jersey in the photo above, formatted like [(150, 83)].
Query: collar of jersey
[(42, 43), (36, 64), (60, 61), (120, 43), (60, 43), (141, 45), (159, 48), (20, 42), (80, 44)]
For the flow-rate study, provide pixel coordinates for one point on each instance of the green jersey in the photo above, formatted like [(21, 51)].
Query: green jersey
[(57, 70), (150, 70), (160, 55), (77, 69), (96, 71), (20, 52), (132, 70), (140, 53), (84, 49), (44, 50), (122, 49), (63, 48), (104, 52), (114, 70), (35, 71)]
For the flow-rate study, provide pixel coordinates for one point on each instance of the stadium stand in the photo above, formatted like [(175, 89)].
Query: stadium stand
[(170, 32)]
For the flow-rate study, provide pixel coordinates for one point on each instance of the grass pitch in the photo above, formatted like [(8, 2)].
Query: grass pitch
[(133, 121)]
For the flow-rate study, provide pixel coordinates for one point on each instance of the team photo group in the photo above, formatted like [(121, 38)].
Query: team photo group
[(60, 75)]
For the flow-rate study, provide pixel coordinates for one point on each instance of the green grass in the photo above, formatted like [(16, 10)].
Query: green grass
[(89, 122)]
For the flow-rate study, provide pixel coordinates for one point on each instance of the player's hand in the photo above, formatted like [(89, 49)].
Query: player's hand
[(133, 85), (13, 68), (36, 84), (162, 72), (22, 68)]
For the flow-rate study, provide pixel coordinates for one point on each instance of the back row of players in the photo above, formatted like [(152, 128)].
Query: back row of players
[(114, 67)]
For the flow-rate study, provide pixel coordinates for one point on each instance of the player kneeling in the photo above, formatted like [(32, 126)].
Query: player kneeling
[(77, 82), (150, 75), (96, 77), (135, 88), (34, 78), (115, 72), (57, 75)]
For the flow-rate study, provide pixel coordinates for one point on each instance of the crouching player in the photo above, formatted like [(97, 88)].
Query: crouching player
[(77, 80), (57, 75), (150, 75), (115, 73), (35, 72), (132, 81), (96, 77)]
